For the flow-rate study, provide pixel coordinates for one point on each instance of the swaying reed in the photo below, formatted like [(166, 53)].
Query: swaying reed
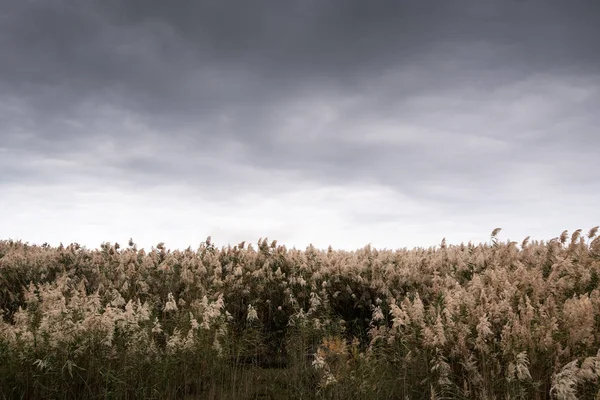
[(487, 321)]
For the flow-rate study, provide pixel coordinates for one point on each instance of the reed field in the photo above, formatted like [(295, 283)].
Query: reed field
[(496, 320)]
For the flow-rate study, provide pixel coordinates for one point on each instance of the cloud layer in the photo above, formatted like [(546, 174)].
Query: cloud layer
[(334, 122)]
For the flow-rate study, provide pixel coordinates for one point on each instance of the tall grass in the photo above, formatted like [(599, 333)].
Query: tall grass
[(487, 321)]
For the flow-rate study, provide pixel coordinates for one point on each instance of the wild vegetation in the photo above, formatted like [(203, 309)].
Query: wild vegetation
[(472, 321)]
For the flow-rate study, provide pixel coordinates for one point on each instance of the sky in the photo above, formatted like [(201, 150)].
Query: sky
[(338, 122)]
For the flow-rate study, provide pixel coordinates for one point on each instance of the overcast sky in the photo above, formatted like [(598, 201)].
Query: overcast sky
[(332, 122)]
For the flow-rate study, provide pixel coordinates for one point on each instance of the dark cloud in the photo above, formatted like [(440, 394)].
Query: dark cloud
[(453, 101), (200, 57)]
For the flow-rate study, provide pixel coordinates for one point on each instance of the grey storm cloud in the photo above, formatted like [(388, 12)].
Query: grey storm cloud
[(460, 101)]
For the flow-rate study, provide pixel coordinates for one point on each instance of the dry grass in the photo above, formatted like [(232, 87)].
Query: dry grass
[(487, 321)]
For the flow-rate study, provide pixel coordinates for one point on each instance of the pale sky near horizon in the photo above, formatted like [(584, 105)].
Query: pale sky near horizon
[(339, 122)]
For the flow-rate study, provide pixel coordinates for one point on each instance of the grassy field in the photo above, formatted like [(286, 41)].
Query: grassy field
[(471, 321)]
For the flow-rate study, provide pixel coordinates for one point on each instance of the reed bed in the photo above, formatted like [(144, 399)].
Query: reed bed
[(496, 320)]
